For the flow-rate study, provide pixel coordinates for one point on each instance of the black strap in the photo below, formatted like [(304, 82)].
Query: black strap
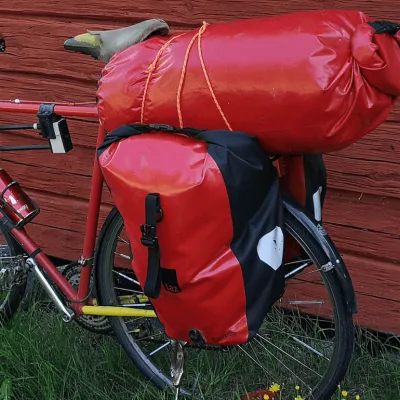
[(149, 239), (385, 27), (126, 131), (35, 252)]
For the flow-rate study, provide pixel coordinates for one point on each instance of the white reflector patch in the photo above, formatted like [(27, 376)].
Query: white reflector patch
[(270, 248)]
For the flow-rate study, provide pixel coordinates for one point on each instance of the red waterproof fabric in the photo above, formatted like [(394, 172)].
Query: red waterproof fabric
[(302, 83), (150, 167)]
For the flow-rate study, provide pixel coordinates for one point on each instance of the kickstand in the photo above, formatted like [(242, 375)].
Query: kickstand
[(177, 365)]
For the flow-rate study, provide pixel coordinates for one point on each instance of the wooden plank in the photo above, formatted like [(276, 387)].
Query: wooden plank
[(176, 12), (30, 48), (32, 87), (66, 213), (373, 8), (378, 314), (52, 181), (383, 144), (56, 242), (187, 12), (350, 208), (374, 277), (79, 160), (377, 245), (395, 114), (380, 178)]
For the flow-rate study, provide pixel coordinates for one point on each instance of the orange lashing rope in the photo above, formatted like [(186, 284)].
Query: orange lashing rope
[(152, 67), (183, 74), (150, 71)]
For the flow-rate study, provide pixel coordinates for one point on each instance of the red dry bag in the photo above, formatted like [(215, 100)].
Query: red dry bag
[(310, 82), (205, 223)]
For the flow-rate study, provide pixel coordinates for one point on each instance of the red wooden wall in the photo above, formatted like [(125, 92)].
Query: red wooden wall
[(363, 206)]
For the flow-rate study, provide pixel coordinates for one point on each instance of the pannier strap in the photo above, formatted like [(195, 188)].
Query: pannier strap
[(149, 239), (385, 27), (125, 131)]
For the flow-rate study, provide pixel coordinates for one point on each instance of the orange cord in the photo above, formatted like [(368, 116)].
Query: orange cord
[(203, 65), (183, 74), (152, 67), (197, 36), (150, 71)]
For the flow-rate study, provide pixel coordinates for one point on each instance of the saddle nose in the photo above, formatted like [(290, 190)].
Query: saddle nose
[(86, 43)]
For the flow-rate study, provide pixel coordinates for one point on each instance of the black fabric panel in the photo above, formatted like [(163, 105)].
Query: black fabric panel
[(256, 207), (315, 177), (385, 27), (244, 166)]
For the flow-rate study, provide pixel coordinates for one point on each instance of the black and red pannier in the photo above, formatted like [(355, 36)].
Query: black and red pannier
[(204, 217)]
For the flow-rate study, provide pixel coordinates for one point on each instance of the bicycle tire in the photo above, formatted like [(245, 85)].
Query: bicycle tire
[(10, 304), (342, 354)]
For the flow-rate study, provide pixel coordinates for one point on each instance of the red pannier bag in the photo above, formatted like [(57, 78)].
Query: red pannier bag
[(308, 82), (204, 217)]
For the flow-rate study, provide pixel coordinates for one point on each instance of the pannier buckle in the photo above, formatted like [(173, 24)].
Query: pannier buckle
[(148, 236), (162, 127)]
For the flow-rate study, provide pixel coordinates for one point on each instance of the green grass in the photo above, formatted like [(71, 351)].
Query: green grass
[(42, 358)]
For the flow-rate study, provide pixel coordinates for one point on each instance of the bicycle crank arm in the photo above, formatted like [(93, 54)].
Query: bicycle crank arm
[(111, 311), (68, 314)]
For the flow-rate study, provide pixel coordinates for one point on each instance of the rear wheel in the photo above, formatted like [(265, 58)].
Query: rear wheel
[(306, 341), (9, 299)]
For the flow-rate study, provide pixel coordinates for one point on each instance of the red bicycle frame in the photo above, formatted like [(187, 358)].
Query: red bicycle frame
[(78, 298)]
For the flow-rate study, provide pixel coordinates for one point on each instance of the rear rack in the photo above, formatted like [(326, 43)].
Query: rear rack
[(51, 126)]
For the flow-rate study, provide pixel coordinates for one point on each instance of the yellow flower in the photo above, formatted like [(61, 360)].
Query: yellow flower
[(266, 397), (297, 387), (358, 397), (275, 388), (299, 398), (344, 393)]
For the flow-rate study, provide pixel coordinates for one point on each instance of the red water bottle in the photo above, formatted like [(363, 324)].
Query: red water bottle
[(14, 202)]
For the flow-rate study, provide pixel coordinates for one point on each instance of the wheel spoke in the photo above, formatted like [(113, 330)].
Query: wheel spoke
[(136, 305), (123, 240), (283, 364), (298, 262), (126, 277), (159, 349), (287, 354), (296, 270), (309, 348), (299, 336), (309, 272), (122, 255), (256, 361), (128, 290)]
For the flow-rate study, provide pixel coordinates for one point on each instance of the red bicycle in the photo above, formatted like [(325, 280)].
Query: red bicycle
[(306, 340)]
